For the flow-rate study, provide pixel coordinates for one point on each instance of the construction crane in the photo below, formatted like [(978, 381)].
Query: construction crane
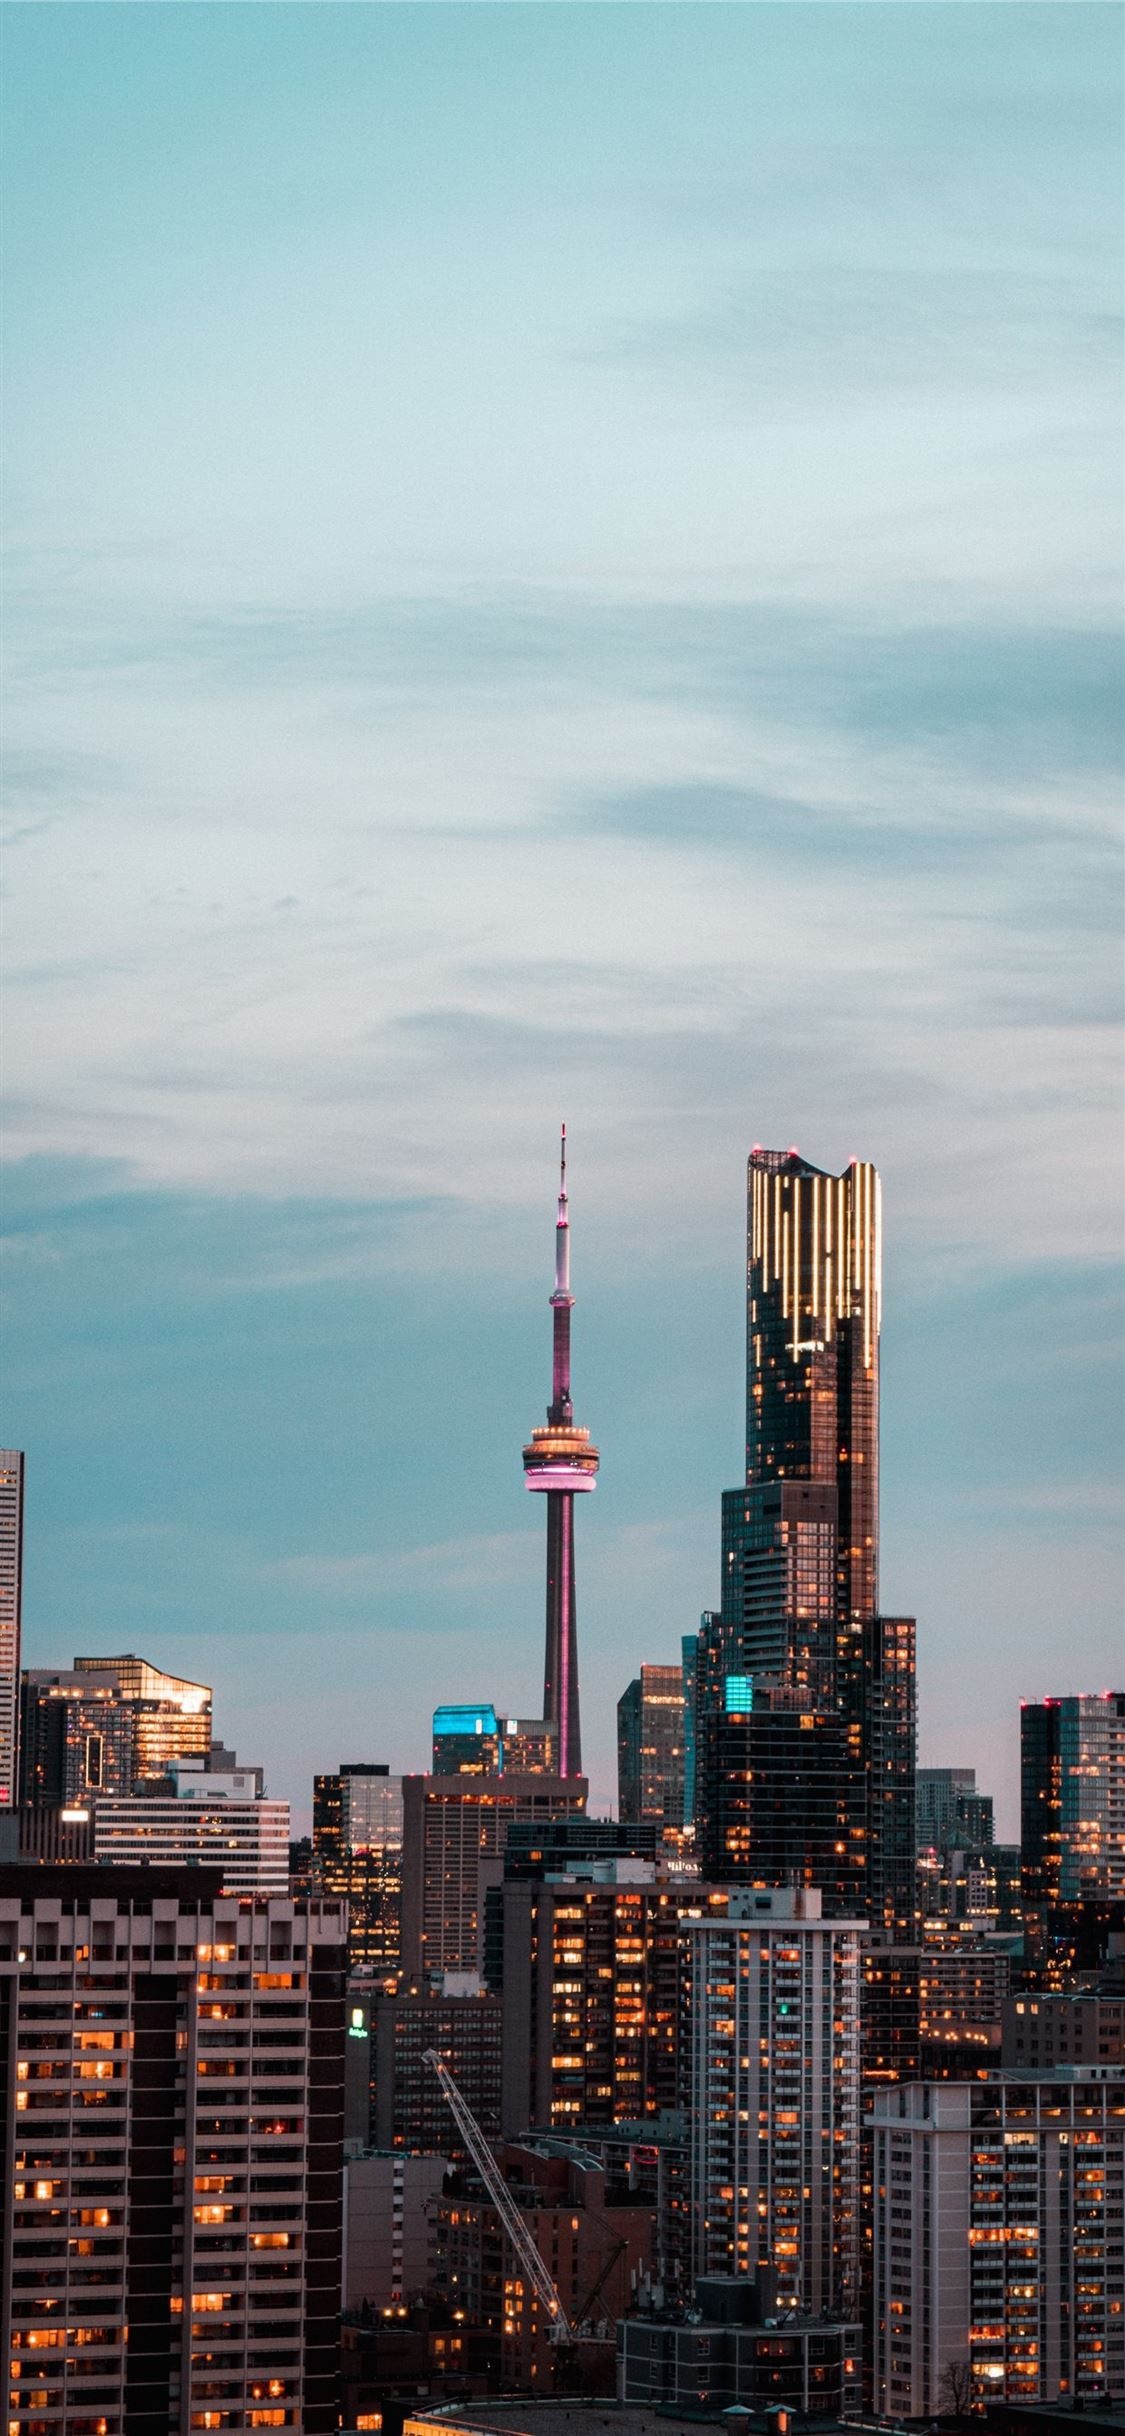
[(560, 2329), (602, 2277)]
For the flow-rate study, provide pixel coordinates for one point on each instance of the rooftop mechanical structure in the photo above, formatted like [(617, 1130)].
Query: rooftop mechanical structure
[(561, 1463)]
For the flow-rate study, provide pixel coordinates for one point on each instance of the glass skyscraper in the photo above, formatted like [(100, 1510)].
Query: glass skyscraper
[(1072, 1765), (800, 1540)]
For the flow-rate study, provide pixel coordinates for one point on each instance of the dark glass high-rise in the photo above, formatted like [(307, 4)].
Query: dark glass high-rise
[(800, 1543)]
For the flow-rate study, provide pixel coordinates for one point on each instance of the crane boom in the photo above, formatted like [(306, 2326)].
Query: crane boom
[(561, 2330)]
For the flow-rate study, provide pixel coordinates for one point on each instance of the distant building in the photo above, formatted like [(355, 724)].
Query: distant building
[(467, 1740), (462, 2022), (357, 1848), (998, 2263), (890, 2010), (451, 1826), (950, 1810), (650, 1747), (782, 1795), (733, 2353), (530, 1746), (388, 2238), (106, 1725), (1040, 2031), (195, 1817), (170, 2245), (593, 2246), (774, 2132), (689, 1668), (975, 1884), (962, 1979), (11, 1588), (473, 1738), (1072, 1763)]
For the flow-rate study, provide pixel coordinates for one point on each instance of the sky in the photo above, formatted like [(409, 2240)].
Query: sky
[(561, 562)]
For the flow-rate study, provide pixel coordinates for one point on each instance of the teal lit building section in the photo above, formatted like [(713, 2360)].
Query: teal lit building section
[(468, 1740)]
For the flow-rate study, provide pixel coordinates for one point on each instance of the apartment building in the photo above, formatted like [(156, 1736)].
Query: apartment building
[(170, 2154), (999, 2241)]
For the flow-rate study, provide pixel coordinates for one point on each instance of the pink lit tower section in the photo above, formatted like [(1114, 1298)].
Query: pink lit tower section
[(561, 1463)]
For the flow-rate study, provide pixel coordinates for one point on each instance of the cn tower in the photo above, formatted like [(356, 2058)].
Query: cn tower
[(561, 1462)]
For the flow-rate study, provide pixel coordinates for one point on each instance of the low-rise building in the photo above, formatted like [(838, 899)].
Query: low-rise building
[(736, 2352)]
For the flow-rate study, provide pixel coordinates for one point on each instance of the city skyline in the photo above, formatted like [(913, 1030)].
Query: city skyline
[(392, 1739), (563, 562)]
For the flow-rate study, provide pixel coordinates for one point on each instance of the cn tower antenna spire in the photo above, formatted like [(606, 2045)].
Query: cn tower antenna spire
[(561, 1462)]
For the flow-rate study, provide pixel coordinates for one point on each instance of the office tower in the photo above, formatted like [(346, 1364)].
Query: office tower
[(650, 1747), (1072, 1803), (452, 1827), (731, 2354), (800, 1540), (951, 1814), (11, 1590), (357, 1848), (561, 1463), (198, 1816), (774, 2096), (998, 2258), (171, 2165), (782, 1796), (106, 1725), (461, 2021), (592, 1986)]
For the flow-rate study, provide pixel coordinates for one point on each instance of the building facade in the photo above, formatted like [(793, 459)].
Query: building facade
[(106, 1725), (1072, 1803), (1040, 2031), (593, 2245), (593, 1994), (782, 1796), (734, 2354), (452, 1827), (197, 1818), (462, 2024), (388, 2233), (774, 2086), (800, 1539), (650, 1747), (11, 1600), (950, 1811), (171, 2154), (998, 2266), (357, 1848)]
